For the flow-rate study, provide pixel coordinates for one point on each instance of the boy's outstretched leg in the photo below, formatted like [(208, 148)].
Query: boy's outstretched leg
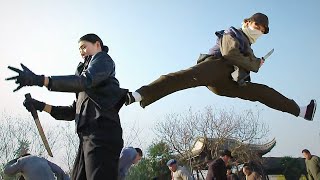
[(267, 96), (202, 74)]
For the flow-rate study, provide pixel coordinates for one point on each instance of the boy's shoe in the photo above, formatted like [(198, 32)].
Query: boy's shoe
[(311, 109), (129, 99)]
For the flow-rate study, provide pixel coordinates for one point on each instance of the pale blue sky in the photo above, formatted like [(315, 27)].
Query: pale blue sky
[(151, 38)]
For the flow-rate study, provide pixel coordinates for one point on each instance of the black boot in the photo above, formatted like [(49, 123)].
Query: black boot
[(311, 109)]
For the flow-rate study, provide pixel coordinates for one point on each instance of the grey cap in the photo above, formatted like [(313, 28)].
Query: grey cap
[(171, 161)]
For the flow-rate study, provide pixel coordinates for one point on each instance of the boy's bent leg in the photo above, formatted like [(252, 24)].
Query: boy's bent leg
[(198, 75), (261, 93)]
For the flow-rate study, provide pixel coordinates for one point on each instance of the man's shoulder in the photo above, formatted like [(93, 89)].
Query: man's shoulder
[(127, 156), (314, 158), (255, 173), (217, 161), (28, 158), (182, 169), (101, 55), (31, 158), (128, 150)]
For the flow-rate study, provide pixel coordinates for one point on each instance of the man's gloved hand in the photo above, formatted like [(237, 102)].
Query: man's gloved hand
[(38, 105), (26, 77)]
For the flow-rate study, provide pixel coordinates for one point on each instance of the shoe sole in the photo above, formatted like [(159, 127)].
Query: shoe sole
[(314, 109)]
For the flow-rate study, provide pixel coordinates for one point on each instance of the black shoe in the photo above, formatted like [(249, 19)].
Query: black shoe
[(129, 99), (311, 109)]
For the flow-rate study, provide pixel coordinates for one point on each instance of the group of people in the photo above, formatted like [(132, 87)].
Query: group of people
[(219, 169), (225, 71)]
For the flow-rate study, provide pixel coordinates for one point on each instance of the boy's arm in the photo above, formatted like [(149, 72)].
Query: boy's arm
[(12, 167), (60, 174), (229, 48)]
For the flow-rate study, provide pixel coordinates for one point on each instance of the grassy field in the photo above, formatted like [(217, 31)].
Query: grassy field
[(281, 177)]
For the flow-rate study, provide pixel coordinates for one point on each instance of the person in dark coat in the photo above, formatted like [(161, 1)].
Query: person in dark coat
[(95, 111), (217, 169)]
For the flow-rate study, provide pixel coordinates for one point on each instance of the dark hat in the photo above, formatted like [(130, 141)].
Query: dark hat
[(226, 152), (260, 19), (171, 161)]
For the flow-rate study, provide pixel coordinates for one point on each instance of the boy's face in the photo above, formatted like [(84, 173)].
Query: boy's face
[(256, 26)]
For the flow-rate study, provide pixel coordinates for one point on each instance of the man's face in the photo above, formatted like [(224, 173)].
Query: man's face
[(173, 167), (23, 151), (137, 159), (226, 159), (307, 155), (229, 171), (246, 171)]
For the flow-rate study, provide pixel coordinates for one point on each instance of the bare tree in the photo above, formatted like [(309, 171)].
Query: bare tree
[(131, 134), (221, 129), (71, 144), (18, 128)]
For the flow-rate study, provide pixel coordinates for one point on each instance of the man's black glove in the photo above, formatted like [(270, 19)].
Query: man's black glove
[(26, 78), (38, 105)]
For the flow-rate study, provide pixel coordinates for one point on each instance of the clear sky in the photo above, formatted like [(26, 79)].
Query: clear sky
[(150, 38)]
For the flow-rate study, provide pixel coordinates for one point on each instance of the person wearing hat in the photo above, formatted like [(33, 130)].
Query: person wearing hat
[(225, 71), (217, 169), (178, 172)]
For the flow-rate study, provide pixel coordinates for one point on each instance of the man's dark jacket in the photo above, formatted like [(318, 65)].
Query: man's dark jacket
[(217, 170)]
